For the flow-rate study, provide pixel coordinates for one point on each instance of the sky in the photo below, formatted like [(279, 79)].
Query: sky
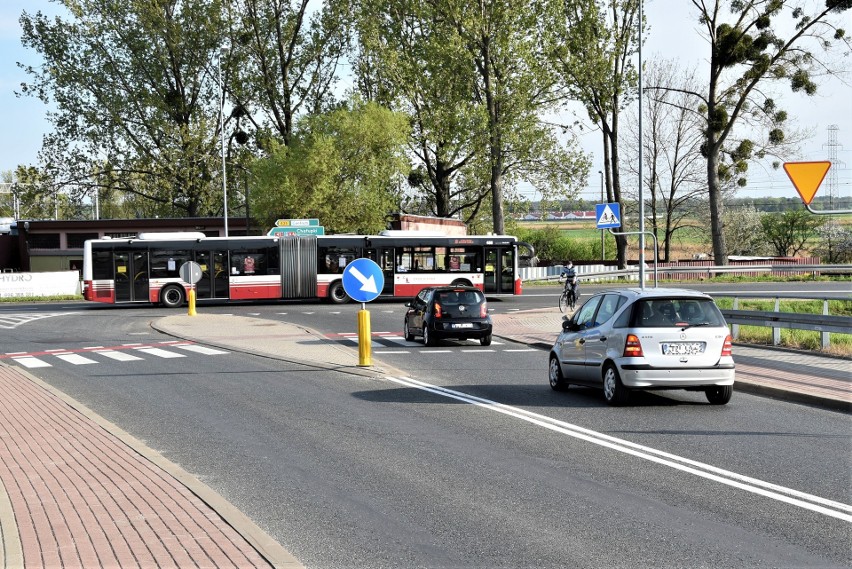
[(671, 33)]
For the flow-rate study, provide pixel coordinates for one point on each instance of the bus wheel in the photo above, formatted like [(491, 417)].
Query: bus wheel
[(337, 294), (172, 296), (460, 282)]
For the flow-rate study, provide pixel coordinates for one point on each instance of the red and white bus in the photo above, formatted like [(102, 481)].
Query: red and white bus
[(146, 269)]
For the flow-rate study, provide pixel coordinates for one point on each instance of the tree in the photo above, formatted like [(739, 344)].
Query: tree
[(835, 242), (746, 56), (789, 231), (672, 154), (136, 96), (595, 61), (283, 60), (407, 60), (744, 232), (345, 167), (507, 44)]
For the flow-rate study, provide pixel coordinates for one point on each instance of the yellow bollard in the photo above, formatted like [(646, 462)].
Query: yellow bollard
[(192, 301), (364, 338)]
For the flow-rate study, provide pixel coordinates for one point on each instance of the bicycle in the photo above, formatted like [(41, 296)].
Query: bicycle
[(568, 298)]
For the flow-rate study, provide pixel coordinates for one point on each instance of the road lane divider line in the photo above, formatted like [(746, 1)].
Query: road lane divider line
[(790, 496)]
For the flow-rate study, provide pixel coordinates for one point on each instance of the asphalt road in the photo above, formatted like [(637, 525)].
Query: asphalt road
[(472, 462)]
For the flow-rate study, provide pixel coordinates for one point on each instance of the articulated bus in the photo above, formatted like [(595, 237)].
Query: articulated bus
[(146, 269)]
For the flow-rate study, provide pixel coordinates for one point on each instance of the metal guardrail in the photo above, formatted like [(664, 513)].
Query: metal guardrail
[(599, 272), (825, 324)]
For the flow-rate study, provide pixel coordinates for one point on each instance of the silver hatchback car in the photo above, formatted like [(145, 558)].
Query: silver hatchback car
[(656, 338)]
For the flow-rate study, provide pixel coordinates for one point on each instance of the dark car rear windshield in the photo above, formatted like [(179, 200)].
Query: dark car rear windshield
[(661, 312), (466, 297)]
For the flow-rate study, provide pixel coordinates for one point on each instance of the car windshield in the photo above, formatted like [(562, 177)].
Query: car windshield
[(662, 312)]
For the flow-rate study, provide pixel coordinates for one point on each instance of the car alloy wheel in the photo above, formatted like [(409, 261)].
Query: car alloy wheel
[(614, 391), (719, 394), (409, 337), (554, 374)]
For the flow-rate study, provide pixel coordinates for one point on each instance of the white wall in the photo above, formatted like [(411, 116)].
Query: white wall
[(39, 284)]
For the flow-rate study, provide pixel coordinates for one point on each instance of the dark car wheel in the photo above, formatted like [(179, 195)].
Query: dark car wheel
[(485, 340), (428, 339), (719, 394), (409, 337), (172, 296), (614, 391), (554, 374), (337, 294)]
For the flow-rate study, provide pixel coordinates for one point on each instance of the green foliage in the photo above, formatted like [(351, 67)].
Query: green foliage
[(345, 167), (552, 245), (789, 231)]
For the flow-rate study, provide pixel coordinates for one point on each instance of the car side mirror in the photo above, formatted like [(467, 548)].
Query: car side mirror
[(408, 305), (567, 324)]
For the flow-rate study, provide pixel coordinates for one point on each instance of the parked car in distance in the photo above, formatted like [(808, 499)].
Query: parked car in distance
[(458, 312), (655, 338)]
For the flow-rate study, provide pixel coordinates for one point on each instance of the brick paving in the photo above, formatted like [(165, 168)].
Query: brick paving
[(82, 498)]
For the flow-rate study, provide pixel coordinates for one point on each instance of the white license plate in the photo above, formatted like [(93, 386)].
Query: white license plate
[(463, 325), (683, 348)]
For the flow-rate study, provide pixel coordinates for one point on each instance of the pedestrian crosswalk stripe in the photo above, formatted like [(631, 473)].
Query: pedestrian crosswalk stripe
[(160, 353), (75, 359), (31, 362), (118, 356), (200, 349)]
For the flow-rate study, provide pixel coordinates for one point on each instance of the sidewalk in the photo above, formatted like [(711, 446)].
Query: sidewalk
[(78, 492)]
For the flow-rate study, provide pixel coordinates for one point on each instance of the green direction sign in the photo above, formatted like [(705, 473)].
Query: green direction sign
[(307, 230), (297, 223)]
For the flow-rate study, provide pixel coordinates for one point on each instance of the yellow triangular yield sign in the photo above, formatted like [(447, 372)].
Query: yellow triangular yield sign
[(806, 177)]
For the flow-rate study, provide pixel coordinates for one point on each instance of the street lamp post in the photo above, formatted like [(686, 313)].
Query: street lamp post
[(603, 256), (222, 132)]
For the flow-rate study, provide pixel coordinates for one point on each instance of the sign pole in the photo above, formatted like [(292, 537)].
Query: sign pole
[(363, 280), (191, 301), (364, 337)]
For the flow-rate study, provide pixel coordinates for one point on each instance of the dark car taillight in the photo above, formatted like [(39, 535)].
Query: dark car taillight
[(632, 347), (483, 309), (437, 310), (728, 346)]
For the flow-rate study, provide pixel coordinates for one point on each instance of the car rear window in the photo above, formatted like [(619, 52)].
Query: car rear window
[(466, 297), (662, 312)]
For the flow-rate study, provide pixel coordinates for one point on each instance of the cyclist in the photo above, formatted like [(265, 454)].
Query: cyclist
[(572, 285)]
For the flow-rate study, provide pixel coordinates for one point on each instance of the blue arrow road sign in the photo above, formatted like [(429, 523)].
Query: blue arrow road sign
[(608, 215), (363, 280)]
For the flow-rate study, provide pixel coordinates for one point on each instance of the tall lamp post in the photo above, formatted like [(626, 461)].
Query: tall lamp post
[(222, 132), (603, 256)]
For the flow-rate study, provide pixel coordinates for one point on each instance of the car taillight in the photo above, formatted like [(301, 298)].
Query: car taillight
[(728, 346), (437, 310), (632, 347), (483, 309)]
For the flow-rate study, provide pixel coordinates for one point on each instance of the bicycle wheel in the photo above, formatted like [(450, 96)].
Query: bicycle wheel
[(563, 301)]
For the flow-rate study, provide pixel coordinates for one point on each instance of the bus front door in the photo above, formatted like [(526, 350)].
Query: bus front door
[(131, 276), (214, 275), (499, 270)]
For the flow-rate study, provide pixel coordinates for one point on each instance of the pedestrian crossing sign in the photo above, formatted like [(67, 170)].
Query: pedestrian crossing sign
[(608, 215)]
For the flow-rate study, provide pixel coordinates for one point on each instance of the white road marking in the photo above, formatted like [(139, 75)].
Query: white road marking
[(161, 353), (118, 356), (756, 486), (31, 362), (75, 359)]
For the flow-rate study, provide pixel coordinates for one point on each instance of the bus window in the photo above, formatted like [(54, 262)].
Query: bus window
[(249, 263), (416, 259), (335, 259), (102, 265), (463, 260), (166, 263)]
